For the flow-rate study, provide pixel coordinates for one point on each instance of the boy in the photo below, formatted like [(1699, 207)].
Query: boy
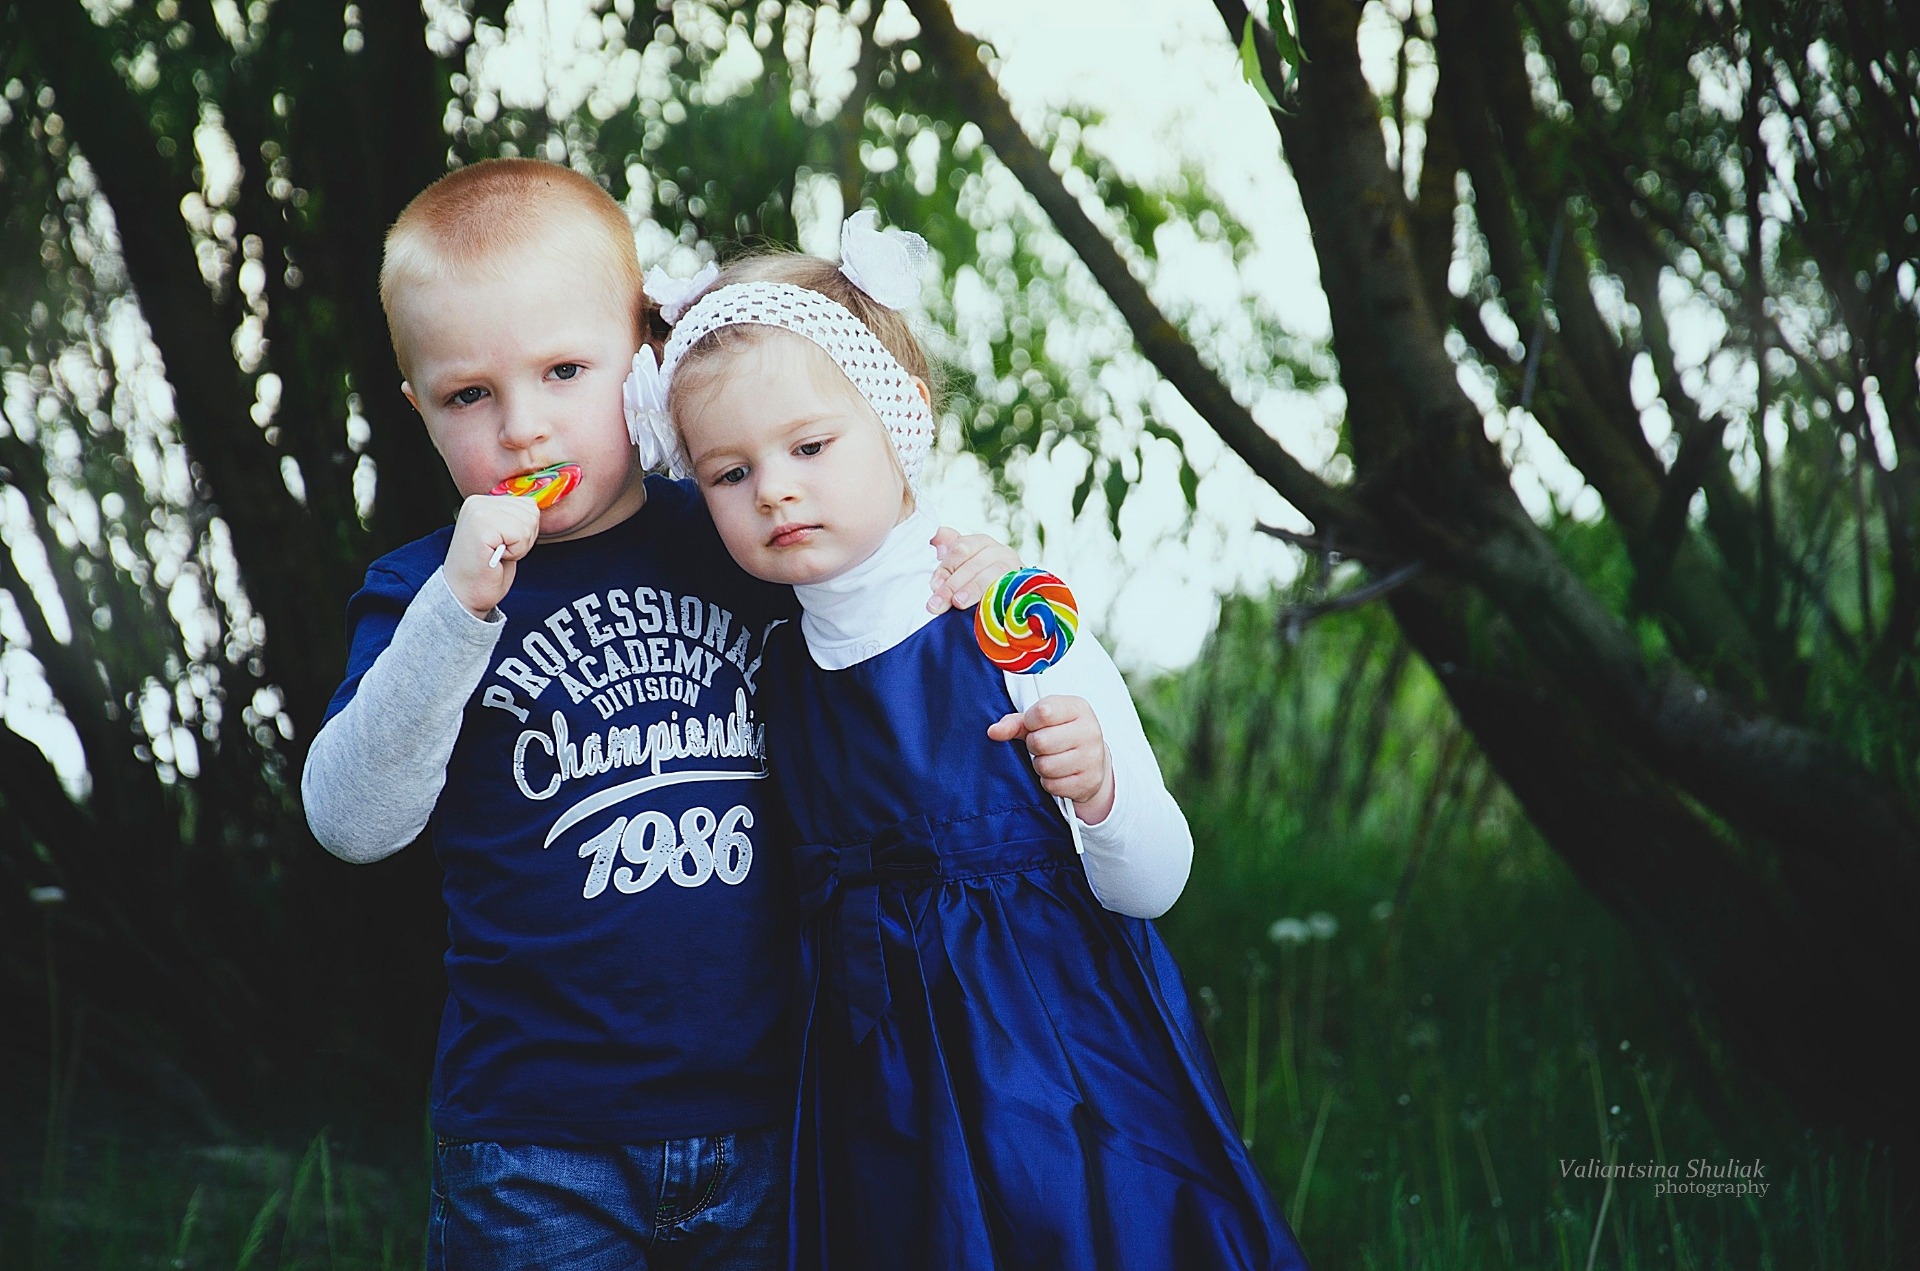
[(565, 698)]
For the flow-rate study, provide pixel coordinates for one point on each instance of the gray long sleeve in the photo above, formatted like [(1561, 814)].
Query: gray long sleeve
[(375, 770)]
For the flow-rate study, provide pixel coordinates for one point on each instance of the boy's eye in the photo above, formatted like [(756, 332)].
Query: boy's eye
[(467, 396), (732, 476), (811, 447), (566, 370)]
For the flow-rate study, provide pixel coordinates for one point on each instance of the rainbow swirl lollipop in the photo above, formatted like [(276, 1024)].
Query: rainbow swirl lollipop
[(1026, 621), (545, 486)]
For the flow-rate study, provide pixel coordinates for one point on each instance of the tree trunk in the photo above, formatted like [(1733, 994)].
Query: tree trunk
[(1768, 870)]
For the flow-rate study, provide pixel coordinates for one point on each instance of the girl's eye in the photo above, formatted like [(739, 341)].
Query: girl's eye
[(467, 396), (732, 476), (566, 370), (811, 447)]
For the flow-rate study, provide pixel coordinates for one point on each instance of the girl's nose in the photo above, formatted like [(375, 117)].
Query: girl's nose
[(775, 486)]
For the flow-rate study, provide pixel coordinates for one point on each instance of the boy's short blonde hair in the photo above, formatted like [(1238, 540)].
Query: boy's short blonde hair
[(468, 220)]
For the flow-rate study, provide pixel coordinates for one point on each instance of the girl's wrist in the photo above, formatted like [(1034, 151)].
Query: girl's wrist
[(1096, 809)]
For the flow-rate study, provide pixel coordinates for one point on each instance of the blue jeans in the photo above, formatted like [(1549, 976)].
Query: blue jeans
[(715, 1203)]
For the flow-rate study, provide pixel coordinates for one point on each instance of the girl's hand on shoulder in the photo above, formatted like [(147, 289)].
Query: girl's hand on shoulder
[(1068, 751), (969, 564)]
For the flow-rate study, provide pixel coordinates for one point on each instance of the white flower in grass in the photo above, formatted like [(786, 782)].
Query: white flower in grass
[(1323, 925), (47, 897), (1289, 931)]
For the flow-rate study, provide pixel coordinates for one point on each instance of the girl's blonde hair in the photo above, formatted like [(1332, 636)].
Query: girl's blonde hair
[(889, 326)]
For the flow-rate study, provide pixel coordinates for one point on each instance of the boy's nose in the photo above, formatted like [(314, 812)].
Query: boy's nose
[(523, 425)]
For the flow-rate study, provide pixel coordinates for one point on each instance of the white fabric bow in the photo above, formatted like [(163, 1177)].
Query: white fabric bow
[(884, 263), (644, 397), (673, 295)]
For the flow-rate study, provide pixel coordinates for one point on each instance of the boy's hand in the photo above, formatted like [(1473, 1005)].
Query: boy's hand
[(489, 522), (969, 563), (1069, 752)]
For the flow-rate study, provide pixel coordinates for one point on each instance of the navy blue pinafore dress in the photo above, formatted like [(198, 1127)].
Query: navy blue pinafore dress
[(997, 1072)]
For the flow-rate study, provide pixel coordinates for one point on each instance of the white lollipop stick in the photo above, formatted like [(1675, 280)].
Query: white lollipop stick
[(493, 561), (1066, 804)]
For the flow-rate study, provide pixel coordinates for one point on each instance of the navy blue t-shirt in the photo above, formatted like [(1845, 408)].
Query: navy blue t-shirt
[(614, 860)]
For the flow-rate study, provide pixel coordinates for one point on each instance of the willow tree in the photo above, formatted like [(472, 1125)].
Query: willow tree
[(1704, 695), (1716, 719)]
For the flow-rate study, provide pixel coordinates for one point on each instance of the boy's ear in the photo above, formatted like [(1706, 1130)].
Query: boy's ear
[(406, 391)]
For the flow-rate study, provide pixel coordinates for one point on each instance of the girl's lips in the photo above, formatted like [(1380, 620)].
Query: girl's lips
[(791, 535)]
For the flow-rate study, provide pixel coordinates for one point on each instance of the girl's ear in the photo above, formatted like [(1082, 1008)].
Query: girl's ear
[(406, 391), (926, 394)]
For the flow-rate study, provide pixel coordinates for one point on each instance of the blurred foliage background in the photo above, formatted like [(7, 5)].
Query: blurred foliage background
[(1530, 832)]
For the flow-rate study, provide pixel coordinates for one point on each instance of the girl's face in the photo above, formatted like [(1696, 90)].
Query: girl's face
[(795, 466)]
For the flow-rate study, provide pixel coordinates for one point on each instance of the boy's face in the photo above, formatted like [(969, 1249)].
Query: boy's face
[(522, 368), (794, 464)]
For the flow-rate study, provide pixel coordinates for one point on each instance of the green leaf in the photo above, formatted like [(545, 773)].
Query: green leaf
[(257, 1234), (188, 1222), (1116, 491), (1250, 67), (1081, 491), (1189, 484), (1284, 38)]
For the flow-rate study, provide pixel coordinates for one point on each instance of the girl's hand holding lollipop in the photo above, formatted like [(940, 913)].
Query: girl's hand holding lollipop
[(1025, 624)]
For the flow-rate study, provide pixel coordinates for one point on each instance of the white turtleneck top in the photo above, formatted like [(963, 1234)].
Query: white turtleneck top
[(1138, 857)]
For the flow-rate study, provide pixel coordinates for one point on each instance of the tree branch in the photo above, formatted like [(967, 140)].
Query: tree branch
[(1753, 771), (958, 58), (1434, 204), (211, 396), (1294, 618), (851, 124)]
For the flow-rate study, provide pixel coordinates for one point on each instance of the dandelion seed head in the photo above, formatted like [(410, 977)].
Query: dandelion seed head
[(1288, 931)]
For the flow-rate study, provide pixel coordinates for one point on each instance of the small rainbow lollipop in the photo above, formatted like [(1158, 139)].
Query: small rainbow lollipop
[(1026, 621), (545, 486)]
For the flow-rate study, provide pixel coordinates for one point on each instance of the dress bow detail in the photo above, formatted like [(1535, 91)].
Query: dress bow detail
[(853, 873)]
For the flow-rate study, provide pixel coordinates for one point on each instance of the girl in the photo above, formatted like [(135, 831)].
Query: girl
[(1000, 1065)]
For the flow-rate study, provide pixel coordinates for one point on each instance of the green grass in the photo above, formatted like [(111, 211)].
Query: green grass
[(1448, 1019), (233, 1208), (1412, 1082)]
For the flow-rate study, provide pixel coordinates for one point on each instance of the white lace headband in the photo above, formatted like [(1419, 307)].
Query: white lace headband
[(884, 264)]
